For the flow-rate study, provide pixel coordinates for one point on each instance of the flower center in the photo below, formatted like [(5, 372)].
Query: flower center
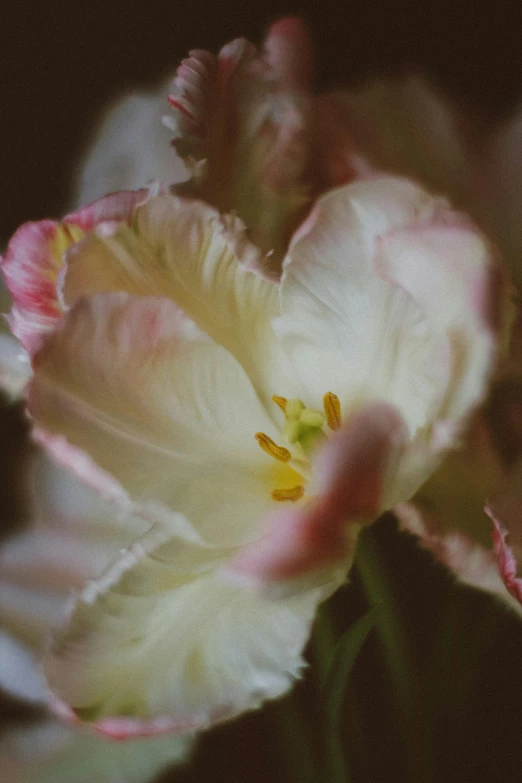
[(303, 426)]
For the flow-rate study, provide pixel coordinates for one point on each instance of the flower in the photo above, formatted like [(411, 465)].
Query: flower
[(252, 419)]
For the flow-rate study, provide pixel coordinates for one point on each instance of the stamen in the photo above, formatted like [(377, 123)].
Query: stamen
[(296, 493), (332, 409), (271, 448), (281, 401)]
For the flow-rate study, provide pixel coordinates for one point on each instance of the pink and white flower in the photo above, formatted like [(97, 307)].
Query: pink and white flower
[(251, 408)]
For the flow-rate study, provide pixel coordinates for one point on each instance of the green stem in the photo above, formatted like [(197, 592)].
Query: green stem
[(399, 657), (324, 645)]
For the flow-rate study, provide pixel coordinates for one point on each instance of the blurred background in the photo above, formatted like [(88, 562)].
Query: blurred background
[(453, 711)]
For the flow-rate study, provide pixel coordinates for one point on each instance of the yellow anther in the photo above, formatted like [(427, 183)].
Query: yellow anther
[(271, 448), (296, 493), (332, 409), (281, 401)]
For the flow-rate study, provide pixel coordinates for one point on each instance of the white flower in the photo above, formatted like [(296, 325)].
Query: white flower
[(252, 425)]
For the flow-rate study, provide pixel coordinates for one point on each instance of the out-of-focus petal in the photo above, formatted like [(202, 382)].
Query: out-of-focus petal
[(502, 205), (131, 148), (455, 493), (243, 123), (18, 672), (73, 538), (505, 511), (15, 367), (52, 753), (407, 126), (473, 564), (162, 643), (169, 414)]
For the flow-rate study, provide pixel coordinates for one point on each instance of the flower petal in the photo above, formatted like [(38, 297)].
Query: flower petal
[(162, 642), (19, 675), (506, 513), (74, 537), (166, 412), (130, 149), (451, 262), (52, 753), (344, 329), (406, 126), (352, 480), (15, 368), (187, 251), (34, 259), (362, 337), (472, 563)]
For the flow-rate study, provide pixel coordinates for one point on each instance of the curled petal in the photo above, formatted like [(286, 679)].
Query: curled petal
[(243, 125), (34, 260), (31, 265), (505, 512), (185, 250), (203, 95)]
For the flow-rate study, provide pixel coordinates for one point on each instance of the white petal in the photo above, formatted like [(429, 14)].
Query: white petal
[(18, 671), (173, 419), (131, 148), (15, 369), (344, 329), (74, 537), (162, 638), (185, 250), (51, 753)]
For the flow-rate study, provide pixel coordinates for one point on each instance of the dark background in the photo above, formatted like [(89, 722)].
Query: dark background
[(61, 63)]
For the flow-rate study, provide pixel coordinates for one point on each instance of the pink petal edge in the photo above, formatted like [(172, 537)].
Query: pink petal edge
[(80, 464), (32, 273), (122, 729), (507, 563)]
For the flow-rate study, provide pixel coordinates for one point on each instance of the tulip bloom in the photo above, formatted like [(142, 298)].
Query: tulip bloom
[(253, 401)]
